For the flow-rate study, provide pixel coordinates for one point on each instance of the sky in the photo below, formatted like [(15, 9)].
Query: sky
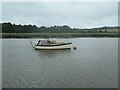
[(73, 14)]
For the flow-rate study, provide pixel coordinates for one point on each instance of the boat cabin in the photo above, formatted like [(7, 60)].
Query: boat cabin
[(46, 42)]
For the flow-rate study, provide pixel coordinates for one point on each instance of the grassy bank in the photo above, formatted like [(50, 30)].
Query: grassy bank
[(56, 35)]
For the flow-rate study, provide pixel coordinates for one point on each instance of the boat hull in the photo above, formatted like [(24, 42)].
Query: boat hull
[(60, 47)]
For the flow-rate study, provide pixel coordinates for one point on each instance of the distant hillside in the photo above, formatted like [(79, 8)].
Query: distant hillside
[(13, 28)]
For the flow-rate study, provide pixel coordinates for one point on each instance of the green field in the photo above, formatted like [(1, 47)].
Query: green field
[(56, 35)]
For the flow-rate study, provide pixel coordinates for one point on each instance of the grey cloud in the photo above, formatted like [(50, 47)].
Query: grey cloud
[(58, 13)]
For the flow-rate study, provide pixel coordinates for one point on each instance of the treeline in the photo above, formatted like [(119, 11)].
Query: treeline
[(13, 28)]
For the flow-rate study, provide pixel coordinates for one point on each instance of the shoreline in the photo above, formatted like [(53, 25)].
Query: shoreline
[(58, 35), (62, 38)]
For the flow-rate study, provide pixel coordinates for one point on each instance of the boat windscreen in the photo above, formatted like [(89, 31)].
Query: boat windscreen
[(44, 42)]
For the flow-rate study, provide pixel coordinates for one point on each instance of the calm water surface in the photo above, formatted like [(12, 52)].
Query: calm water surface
[(94, 64)]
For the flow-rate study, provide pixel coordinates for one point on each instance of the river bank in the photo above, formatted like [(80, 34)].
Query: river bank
[(56, 35)]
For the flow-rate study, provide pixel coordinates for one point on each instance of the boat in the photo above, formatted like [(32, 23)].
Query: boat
[(52, 45)]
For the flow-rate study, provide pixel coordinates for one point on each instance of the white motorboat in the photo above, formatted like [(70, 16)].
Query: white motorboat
[(52, 45)]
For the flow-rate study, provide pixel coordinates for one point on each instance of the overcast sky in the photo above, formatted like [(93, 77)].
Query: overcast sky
[(73, 14)]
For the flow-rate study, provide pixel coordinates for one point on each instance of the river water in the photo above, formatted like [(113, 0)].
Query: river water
[(94, 64)]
